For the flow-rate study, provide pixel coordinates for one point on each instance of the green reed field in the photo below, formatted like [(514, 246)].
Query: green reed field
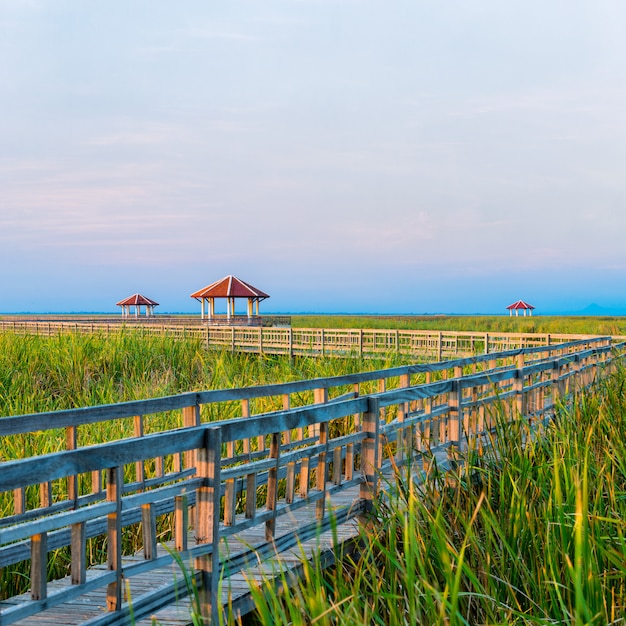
[(67, 371), (479, 323), (40, 374), (531, 535)]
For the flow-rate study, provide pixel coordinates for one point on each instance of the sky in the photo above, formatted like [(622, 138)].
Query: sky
[(353, 156)]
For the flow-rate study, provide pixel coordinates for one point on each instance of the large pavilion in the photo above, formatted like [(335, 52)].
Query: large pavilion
[(137, 301), (231, 288), (520, 305)]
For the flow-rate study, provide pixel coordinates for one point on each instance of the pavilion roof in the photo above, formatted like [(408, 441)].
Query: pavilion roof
[(137, 300), (229, 287), (520, 304)]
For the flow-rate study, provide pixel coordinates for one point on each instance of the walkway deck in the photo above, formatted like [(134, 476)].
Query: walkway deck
[(277, 556)]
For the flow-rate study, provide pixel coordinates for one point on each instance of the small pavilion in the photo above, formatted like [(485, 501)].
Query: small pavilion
[(520, 305), (231, 288), (137, 301)]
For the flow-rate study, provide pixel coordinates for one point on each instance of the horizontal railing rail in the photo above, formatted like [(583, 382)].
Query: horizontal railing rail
[(220, 478)]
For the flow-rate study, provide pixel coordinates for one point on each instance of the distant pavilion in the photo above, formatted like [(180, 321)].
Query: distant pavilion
[(520, 305), (137, 301), (231, 288)]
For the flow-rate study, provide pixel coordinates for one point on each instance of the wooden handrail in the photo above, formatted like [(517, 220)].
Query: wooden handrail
[(436, 345)]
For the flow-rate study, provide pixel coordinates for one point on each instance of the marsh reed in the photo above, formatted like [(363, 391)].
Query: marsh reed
[(524, 534)]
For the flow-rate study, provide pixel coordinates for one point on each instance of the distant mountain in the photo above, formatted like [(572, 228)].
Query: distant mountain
[(595, 310)]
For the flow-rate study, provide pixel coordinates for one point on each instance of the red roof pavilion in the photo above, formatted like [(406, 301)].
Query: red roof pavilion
[(520, 305), (229, 287), (137, 300)]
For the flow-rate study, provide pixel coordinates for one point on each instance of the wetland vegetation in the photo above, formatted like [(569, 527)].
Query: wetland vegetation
[(532, 534)]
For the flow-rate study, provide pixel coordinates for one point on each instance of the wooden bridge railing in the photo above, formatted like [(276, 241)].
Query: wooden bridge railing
[(436, 345), (222, 477)]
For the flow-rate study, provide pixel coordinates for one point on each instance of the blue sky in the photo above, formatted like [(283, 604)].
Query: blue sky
[(343, 156)]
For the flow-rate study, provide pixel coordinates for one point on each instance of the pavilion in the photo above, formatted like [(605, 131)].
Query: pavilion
[(137, 300), (231, 288), (520, 305)]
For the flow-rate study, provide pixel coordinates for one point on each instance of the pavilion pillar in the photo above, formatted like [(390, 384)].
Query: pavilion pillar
[(250, 308)]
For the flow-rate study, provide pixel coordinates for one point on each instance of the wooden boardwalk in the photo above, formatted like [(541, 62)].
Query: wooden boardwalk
[(429, 344), (268, 488), (284, 555)]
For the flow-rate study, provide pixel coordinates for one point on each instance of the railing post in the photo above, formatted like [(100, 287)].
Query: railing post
[(290, 482), (464, 423), (272, 486), (369, 455), (454, 419), (404, 438), (349, 465), (78, 549), (114, 537), (321, 473), (138, 432), (577, 368), (72, 481), (148, 525), (39, 566), (250, 478), (518, 386), (181, 522), (208, 522), (556, 383), (191, 418)]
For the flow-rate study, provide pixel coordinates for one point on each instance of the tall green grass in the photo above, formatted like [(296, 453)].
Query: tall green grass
[(66, 371), (477, 323), (526, 534), (39, 374)]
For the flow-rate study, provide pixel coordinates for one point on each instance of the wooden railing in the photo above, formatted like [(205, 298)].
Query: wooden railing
[(437, 345), (269, 458), (88, 319)]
